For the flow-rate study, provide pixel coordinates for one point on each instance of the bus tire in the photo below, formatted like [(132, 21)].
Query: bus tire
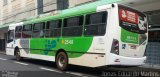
[(62, 61), (18, 55)]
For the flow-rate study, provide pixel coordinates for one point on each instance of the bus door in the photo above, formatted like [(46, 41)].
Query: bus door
[(10, 42)]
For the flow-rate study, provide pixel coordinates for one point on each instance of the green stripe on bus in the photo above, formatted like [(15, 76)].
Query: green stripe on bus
[(76, 44), (129, 37)]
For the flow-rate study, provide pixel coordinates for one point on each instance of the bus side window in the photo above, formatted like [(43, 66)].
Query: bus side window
[(73, 26), (10, 36), (53, 28), (38, 30), (27, 31), (18, 32), (95, 24)]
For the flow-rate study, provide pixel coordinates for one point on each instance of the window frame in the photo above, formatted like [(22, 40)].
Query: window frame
[(79, 17), (88, 24), (27, 30), (41, 27), (50, 29), (81, 23), (87, 20), (132, 28), (18, 31), (9, 34), (48, 25)]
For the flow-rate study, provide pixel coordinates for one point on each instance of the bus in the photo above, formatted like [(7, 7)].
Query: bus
[(91, 35)]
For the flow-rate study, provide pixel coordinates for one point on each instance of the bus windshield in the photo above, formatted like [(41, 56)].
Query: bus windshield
[(132, 20)]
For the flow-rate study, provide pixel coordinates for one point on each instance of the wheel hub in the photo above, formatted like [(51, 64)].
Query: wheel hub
[(61, 61)]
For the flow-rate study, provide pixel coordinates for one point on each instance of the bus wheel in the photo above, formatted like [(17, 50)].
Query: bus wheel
[(18, 56), (62, 61)]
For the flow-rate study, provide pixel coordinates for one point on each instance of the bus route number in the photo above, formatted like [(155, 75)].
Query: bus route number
[(67, 42)]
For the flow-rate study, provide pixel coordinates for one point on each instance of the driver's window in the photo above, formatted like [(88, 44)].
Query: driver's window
[(10, 36)]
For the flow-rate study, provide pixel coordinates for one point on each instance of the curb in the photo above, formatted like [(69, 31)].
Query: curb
[(151, 66)]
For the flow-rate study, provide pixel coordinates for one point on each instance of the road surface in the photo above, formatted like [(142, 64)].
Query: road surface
[(9, 67)]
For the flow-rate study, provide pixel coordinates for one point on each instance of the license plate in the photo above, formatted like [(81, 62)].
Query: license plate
[(133, 47)]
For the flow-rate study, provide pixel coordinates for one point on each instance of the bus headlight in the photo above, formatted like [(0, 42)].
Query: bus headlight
[(115, 47)]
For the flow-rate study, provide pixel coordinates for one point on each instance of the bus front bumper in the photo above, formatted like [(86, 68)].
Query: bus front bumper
[(126, 61)]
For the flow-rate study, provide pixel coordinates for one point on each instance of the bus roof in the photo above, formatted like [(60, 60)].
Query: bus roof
[(79, 10), (12, 26)]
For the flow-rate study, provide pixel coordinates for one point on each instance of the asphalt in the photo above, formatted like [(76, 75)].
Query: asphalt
[(9, 67)]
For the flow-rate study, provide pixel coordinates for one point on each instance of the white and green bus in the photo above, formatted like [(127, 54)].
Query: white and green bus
[(92, 35)]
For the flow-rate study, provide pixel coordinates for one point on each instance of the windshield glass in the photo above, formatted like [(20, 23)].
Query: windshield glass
[(132, 20)]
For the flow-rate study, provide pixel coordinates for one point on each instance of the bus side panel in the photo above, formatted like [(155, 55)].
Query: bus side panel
[(50, 46), (9, 50), (24, 47), (95, 55), (82, 51), (100, 47)]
